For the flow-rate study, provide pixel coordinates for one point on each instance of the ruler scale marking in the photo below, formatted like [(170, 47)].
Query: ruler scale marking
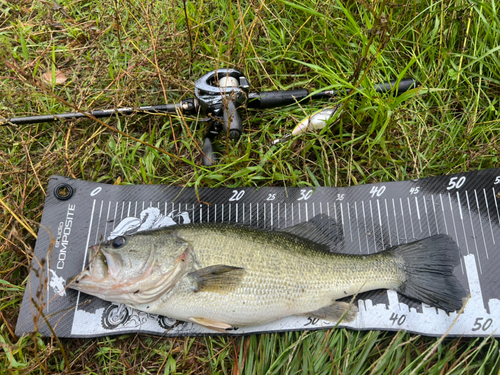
[(426, 215), (373, 227), (279, 216), (471, 224), (85, 254), (395, 221), (123, 208), (435, 214), (444, 216), (462, 220), (114, 217), (357, 226), (342, 217), (481, 225), (403, 218), (380, 224), (366, 230), (349, 216), (453, 219), (107, 220), (388, 224), (96, 241), (489, 217), (265, 212), (418, 214), (272, 217), (411, 218), (286, 217), (496, 204)]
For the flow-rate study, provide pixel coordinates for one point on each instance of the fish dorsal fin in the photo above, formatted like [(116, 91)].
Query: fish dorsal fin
[(218, 278), (322, 230)]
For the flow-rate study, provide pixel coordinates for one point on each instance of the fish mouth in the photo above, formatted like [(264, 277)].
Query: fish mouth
[(98, 269)]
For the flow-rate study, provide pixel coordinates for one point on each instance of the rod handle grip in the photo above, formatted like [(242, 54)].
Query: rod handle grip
[(273, 99), (404, 85)]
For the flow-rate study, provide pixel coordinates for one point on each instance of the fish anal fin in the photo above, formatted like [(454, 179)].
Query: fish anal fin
[(335, 312), (211, 324), (218, 278)]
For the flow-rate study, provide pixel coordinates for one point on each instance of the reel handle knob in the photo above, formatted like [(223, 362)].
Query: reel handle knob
[(210, 156), (231, 121)]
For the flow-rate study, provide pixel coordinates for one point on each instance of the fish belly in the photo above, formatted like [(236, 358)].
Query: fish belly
[(248, 304)]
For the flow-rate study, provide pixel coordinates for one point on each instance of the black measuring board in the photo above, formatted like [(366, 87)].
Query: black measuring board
[(371, 218)]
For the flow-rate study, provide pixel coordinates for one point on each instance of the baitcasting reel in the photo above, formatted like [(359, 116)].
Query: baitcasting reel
[(219, 94)]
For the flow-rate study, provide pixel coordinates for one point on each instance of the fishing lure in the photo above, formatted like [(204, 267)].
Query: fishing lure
[(316, 121)]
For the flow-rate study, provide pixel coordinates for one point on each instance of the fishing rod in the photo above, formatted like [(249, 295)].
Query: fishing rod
[(219, 95)]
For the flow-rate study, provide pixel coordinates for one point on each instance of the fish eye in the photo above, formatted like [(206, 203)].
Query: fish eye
[(118, 242)]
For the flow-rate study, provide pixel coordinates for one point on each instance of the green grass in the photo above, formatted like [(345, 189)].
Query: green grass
[(131, 52)]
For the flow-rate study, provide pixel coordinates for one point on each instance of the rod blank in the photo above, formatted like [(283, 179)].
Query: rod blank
[(162, 108)]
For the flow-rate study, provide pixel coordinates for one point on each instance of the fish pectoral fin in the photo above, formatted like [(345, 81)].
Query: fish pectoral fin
[(211, 324), (335, 312), (219, 278)]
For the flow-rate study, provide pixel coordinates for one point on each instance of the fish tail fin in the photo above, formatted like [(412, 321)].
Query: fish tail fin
[(427, 267)]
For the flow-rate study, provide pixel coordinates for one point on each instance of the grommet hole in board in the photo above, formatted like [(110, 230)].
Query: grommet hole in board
[(63, 192)]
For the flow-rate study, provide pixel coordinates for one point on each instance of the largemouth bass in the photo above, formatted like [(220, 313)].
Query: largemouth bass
[(223, 275)]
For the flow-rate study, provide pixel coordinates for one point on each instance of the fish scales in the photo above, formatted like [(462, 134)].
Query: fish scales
[(285, 275)]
